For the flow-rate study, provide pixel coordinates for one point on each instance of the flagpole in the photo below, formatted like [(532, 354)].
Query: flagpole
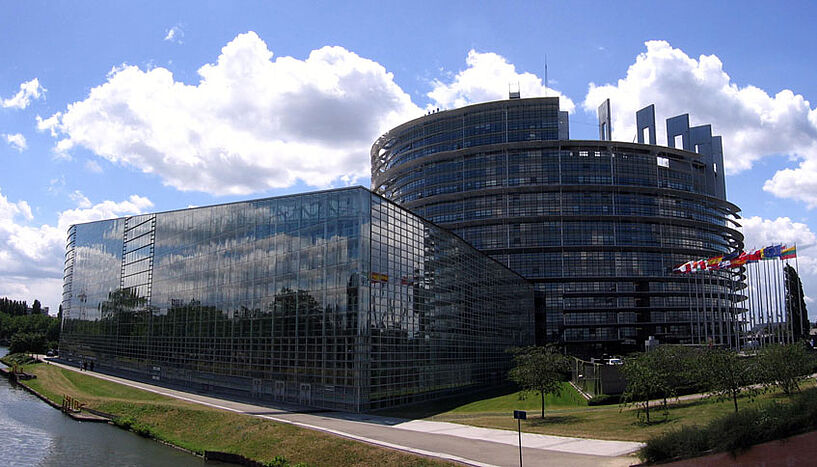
[(767, 304), (691, 314), (787, 302), (731, 307), (694, 282), (782, 326), (749, 306)]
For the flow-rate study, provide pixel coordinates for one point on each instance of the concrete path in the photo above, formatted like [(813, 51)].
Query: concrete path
[(450, 441)]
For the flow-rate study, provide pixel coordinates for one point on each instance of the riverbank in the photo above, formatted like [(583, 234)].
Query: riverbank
[(199, 428)]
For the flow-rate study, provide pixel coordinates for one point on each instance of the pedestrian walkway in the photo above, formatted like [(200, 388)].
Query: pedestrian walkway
[(450, 441)]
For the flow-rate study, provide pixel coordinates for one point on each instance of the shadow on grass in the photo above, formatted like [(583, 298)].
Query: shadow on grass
[(553, 420), (429, 409)]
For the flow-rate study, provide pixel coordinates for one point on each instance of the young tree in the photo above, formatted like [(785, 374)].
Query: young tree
[(726, 375), (644, 381), (539, 369), (785, 365)]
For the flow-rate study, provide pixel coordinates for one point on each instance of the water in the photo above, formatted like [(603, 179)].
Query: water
[(32, 433)]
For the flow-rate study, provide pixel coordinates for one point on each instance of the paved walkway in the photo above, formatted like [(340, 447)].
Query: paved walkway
[(459, 443)]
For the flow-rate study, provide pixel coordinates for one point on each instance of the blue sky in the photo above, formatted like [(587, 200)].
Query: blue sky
[(161, 105)]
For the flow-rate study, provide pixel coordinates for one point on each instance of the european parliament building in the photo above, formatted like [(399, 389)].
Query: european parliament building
[(338, 299), (595, 225)]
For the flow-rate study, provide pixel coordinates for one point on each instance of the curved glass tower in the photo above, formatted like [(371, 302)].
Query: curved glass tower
[(596, 225)]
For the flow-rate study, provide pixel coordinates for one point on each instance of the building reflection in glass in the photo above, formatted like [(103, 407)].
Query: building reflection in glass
[(337, 299)]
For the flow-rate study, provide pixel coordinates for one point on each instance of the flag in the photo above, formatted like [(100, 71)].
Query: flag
[(378, 277), (683, 268), (789, 252), (714, 263), (771, 252), (732, 255), (754, 256)]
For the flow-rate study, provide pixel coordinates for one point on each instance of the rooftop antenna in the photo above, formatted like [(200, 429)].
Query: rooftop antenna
[(546, 75)]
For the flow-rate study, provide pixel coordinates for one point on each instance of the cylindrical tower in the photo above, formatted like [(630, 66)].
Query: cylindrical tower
[(596, 225)]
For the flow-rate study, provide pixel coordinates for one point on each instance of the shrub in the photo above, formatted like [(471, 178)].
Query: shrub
[(604, 399), (736, 431)]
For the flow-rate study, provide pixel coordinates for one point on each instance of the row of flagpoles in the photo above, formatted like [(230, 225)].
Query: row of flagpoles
[(754, 313), (737, 259)]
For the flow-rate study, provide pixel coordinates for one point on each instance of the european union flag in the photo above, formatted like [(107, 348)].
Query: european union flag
[(772, 251)]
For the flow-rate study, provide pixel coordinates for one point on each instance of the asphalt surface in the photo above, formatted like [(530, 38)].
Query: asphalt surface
[(450, 441)]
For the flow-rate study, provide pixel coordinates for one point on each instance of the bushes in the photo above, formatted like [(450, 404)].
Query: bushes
[(737, 431), (604, 399)]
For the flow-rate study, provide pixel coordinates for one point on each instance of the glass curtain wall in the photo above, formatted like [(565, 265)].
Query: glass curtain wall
[(331, 299)]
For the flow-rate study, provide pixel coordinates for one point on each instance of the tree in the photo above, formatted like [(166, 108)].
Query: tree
[(796, 303), (539, 369), (785, 365), (726, 375), (644, 381), (36, 307), (28, 342)]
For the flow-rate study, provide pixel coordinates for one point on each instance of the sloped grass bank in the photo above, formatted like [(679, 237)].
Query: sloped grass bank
[(571, 417), (198, 428), (736, 432)]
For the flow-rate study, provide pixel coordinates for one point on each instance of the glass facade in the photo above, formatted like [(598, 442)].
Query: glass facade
[(338, 299), (596, 225)]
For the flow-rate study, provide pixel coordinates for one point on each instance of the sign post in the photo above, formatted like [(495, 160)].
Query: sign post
[(520, 415)]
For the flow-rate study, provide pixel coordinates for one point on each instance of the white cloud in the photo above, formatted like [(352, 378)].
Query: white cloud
[(49, 123), (174, 34), (759, 232), (487, 78), (251, 123), (80, 200), (28, 90), (17, 141), (93, 166), (31, 256), (753, 123)]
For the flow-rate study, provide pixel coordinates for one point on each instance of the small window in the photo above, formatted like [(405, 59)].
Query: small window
[(679, 141), (662, 161), (583, 153)]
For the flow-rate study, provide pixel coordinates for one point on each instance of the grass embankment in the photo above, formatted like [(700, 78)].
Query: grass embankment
[(198, 428), (569, 414)]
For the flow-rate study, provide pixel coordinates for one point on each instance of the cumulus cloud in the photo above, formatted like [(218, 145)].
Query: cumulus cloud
[(31, 256), (16, 141), (174, 34), (760, 232), (251, 123), (486, 78), (753, 123), (28, 91)]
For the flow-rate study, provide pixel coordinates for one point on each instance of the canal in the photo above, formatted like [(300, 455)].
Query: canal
[(32, 433)]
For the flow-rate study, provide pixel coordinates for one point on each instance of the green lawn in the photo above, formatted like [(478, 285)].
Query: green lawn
[(569, 414), (199, 428)]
